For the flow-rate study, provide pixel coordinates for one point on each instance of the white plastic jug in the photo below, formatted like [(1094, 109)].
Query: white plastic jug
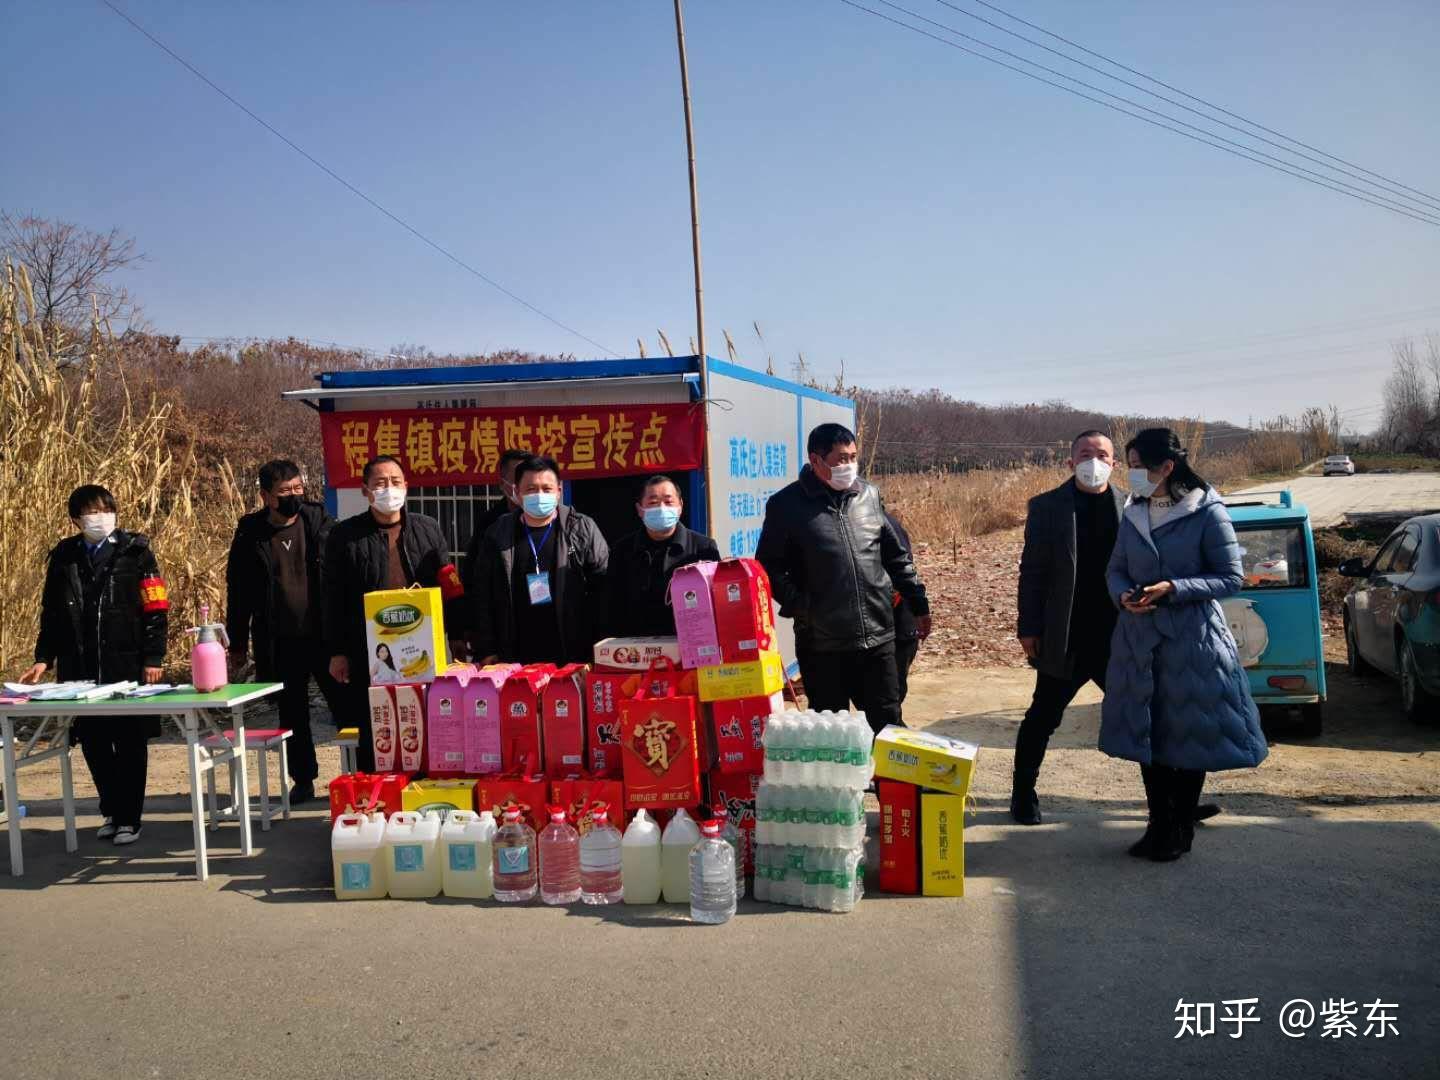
[(679, 837), (357, 856), (640, 860), (465, 854), (412, 854)]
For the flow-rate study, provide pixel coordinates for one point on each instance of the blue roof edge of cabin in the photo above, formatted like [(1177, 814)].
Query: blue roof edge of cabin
[(496, 373), (760, 378), (1268, 513)]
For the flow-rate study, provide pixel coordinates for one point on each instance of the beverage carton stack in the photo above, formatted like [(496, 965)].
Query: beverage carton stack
[(810, 810), (923, 781)]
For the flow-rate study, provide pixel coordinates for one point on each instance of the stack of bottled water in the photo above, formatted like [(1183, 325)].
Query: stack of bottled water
[(810, 810)]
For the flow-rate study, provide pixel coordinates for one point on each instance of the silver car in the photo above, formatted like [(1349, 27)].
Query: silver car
[(1338, 465)]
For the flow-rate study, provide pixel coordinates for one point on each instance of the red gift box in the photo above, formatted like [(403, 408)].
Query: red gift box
[(562, 722), (582, 796), (605, 689), (899, 837), (744, 621), (520, 717), (738, 726), (366, 793), (658, 746), (736, 792), (529, 792)]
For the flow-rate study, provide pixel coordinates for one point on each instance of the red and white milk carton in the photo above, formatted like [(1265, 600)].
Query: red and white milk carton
[(520, 716), (736, 792), (384, 729), (744, 619), (634, 653), (562, 722), (737, 727), (899, 837), (446, 722), (692, 605), (410, 716)]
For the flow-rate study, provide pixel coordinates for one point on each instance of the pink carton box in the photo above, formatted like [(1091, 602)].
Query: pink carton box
[(694, 611), (446, 722), (482, 720)]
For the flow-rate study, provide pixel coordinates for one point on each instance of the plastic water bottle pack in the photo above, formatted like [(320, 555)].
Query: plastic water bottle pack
[(824, 749), (821, 878)]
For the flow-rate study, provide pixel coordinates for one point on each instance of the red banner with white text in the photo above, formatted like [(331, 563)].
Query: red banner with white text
[(442, 447)]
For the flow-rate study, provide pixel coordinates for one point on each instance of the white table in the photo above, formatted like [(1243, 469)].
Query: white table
[(194, 714)]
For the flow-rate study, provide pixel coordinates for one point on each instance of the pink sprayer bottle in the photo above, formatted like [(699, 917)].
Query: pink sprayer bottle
[(207, 659)]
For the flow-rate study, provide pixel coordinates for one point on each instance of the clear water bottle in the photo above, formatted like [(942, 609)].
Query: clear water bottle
[(762, 812), (806, 771), (735, 837), (516, 879), (712, 877), (762, 871), (827, 726), (776, 728), (600, 858), (559, 860)]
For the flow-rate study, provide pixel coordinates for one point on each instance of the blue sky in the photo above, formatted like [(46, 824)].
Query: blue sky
[(867, 195)]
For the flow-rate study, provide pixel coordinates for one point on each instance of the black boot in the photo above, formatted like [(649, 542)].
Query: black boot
[(1169, 841), (1153, 796), (1024, 803)]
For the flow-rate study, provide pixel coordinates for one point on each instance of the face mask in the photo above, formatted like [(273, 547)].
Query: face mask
[(1092, 472), (1141, 485), (287, 505), (661, 518), (97, 527), (540, 504), (388, 499), (843, 477)]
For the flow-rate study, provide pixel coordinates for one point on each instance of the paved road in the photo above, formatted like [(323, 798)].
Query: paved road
[(1330, 498)]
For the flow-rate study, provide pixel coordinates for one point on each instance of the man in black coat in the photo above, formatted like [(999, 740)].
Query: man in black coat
[(642, 562), (835, 564), (1066, 615), (509, 503), (273, 601), (385, 547), (103, 617), (536, 590)]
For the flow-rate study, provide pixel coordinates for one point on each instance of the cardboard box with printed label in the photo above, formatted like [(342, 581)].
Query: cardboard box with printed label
[(694, 610), (736, 792), (744, 619), (440, 796), (581, 796), (604, 690), (384, 729), (562, 722), (529, 793), (738, 727), (520, 747), (410, 718), (635, 653), (754, 678), (367, 793), (659, 751), (927, 760), (405, 635), (899, 837), (447, 723), (942, 844), (482, 714)]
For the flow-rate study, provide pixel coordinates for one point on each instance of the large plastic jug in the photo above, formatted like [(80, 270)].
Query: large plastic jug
[(640, 860), (358, 858), (679, 837), (412, 854), (208, 669), (466, 840)]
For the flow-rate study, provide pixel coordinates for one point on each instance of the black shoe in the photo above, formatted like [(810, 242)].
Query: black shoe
[(1206, 810), (1025, 807), (1141, 848), (1168, 845), (302, 792)]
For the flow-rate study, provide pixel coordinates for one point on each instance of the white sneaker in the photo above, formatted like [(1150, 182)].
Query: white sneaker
[(126, 835), (106, 831)]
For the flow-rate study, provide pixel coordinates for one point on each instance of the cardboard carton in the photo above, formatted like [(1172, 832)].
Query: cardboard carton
[(562, 722), (582, 796), (410, 716), (604, 690), (482, 715), (659, 751), (529, 792), (694, 610), (384, 729), (635, 653), (736, 792), (942, 841), (404, 635), (744, 618), (447, 723), (924, 759), (441, 796), (899, 837), (367, 793), (738, 726), (520, 716), (754, 678)]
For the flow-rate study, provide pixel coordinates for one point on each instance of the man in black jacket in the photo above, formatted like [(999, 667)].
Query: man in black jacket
[(103, 616), (641, 563), (384, 547), (834, 564), (273, 600), (509, 503), (536, 588)]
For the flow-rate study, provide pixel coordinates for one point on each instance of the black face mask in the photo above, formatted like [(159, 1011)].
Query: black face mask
[(287, 505)]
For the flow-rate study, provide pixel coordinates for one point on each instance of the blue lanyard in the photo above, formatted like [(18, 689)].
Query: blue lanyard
[(533, 549)]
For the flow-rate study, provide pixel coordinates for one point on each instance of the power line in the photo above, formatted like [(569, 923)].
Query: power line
[(1419, 203), (351, 187), (1193, 97), (1247, 153)]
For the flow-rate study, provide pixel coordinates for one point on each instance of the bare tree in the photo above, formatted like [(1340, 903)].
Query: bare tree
[(69, 265), (1407, 400)]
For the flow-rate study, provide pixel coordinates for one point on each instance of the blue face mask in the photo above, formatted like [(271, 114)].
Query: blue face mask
[(540, 503), (661, 518)]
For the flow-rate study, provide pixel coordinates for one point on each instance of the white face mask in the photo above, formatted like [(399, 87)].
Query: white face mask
[(96, 527), (388, 499), (1141, 485), (843, 477), (1093, 473)]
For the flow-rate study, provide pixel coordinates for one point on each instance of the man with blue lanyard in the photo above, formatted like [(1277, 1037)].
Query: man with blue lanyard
[(537, 586)]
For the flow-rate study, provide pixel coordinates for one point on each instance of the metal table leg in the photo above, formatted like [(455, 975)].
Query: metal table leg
[(242, 770), (12, 797), (67, 786), (197, 795)]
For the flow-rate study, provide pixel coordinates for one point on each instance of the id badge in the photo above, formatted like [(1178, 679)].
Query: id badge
[(539, 586)]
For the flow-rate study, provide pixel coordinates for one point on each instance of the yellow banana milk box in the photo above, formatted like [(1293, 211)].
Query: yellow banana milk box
[(942, 844), (405, 632), (750, 678), (926, 760)]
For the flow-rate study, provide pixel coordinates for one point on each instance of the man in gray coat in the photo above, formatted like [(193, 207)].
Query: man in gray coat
[(1066, 615)]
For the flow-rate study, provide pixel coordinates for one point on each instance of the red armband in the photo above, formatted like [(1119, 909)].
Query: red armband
[(153, 595), (450, 584)]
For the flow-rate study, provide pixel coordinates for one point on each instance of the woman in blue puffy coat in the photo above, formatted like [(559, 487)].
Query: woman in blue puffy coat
[(1176, 697)]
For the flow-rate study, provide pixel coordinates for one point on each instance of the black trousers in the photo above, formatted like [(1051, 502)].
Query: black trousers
[(1047, 708), (296, 662), (118, 754), (905, 651), (865, 677)]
